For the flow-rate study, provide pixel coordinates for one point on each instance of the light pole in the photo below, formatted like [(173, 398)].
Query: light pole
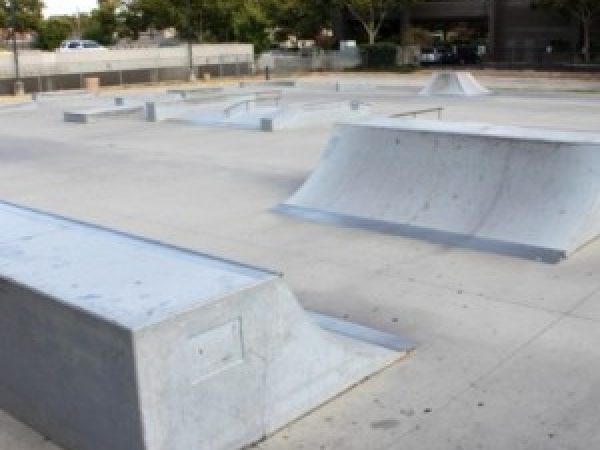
[(190, 48), (19, 88)]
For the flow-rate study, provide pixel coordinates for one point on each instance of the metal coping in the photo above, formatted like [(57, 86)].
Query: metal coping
[(363, 333), (481, 129), (524, 251)]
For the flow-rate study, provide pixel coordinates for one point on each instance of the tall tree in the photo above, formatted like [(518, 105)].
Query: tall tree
[(372, 14), (53, 31), (250, 23), (204, 20), (304, 18), (29, 14), (101, 25), (584, 11)]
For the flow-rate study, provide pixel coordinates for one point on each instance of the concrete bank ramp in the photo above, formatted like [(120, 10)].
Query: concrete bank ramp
[(453, 83), (109, 341), (533, 193)]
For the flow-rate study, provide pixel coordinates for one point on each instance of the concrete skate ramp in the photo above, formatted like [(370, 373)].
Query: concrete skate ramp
[(526, 192), (453, 83), (109, 341)]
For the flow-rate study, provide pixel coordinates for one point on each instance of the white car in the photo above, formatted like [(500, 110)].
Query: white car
[(79, 44)]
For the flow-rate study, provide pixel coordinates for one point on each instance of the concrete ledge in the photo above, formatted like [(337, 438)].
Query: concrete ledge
[(109, 341), (17, 107), (93, 114), (197, 92), (268, 83), (62, 95)]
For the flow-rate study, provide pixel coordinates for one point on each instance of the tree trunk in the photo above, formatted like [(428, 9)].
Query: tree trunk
[(587, 40), (372, 36)]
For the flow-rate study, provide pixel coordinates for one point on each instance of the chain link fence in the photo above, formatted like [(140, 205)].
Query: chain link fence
[(45, 71)]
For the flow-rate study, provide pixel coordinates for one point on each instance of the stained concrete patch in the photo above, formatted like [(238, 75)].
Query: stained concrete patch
[(385, 424)]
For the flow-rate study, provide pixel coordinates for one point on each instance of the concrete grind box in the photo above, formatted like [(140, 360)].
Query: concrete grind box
[(108, 341)]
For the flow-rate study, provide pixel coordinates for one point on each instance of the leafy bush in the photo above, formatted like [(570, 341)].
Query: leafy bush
[(377, 56), (52, 32)]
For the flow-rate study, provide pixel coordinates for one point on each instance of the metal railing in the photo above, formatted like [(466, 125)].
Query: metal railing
[(263, 96), (415, 113)]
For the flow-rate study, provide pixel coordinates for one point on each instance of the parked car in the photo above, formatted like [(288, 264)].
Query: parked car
[(75, 45), (431, 55), (462, 54)]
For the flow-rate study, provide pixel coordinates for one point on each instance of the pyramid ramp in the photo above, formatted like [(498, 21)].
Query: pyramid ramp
[(453, 83), (109, 341), (532, 193)]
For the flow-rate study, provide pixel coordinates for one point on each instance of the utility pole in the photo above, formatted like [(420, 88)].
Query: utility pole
[(19, 88), (191, 73)]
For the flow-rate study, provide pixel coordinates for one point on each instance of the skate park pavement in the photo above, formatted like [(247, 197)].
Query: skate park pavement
[(507, 353)]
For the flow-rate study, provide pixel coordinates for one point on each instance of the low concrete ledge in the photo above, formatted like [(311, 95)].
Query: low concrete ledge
[(109, 341), (17, 107), (197, 92), (62, 95), (93, 114), (268, 83)]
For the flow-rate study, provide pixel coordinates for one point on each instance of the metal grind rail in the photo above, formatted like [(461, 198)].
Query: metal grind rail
[(264, 96), (415, 113)]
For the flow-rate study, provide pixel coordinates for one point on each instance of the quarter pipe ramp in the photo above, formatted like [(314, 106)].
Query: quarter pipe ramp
[(526, 192), (109, 341)]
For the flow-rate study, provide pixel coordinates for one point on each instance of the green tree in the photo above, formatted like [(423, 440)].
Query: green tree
[(102, 24), (584, 11), (29, 14), (53, 31), (203, 20), (304, 18), (142, 15), (372, 14), (250, 23)]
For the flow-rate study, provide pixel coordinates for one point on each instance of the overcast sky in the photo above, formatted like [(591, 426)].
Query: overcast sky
[(54, 7)]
